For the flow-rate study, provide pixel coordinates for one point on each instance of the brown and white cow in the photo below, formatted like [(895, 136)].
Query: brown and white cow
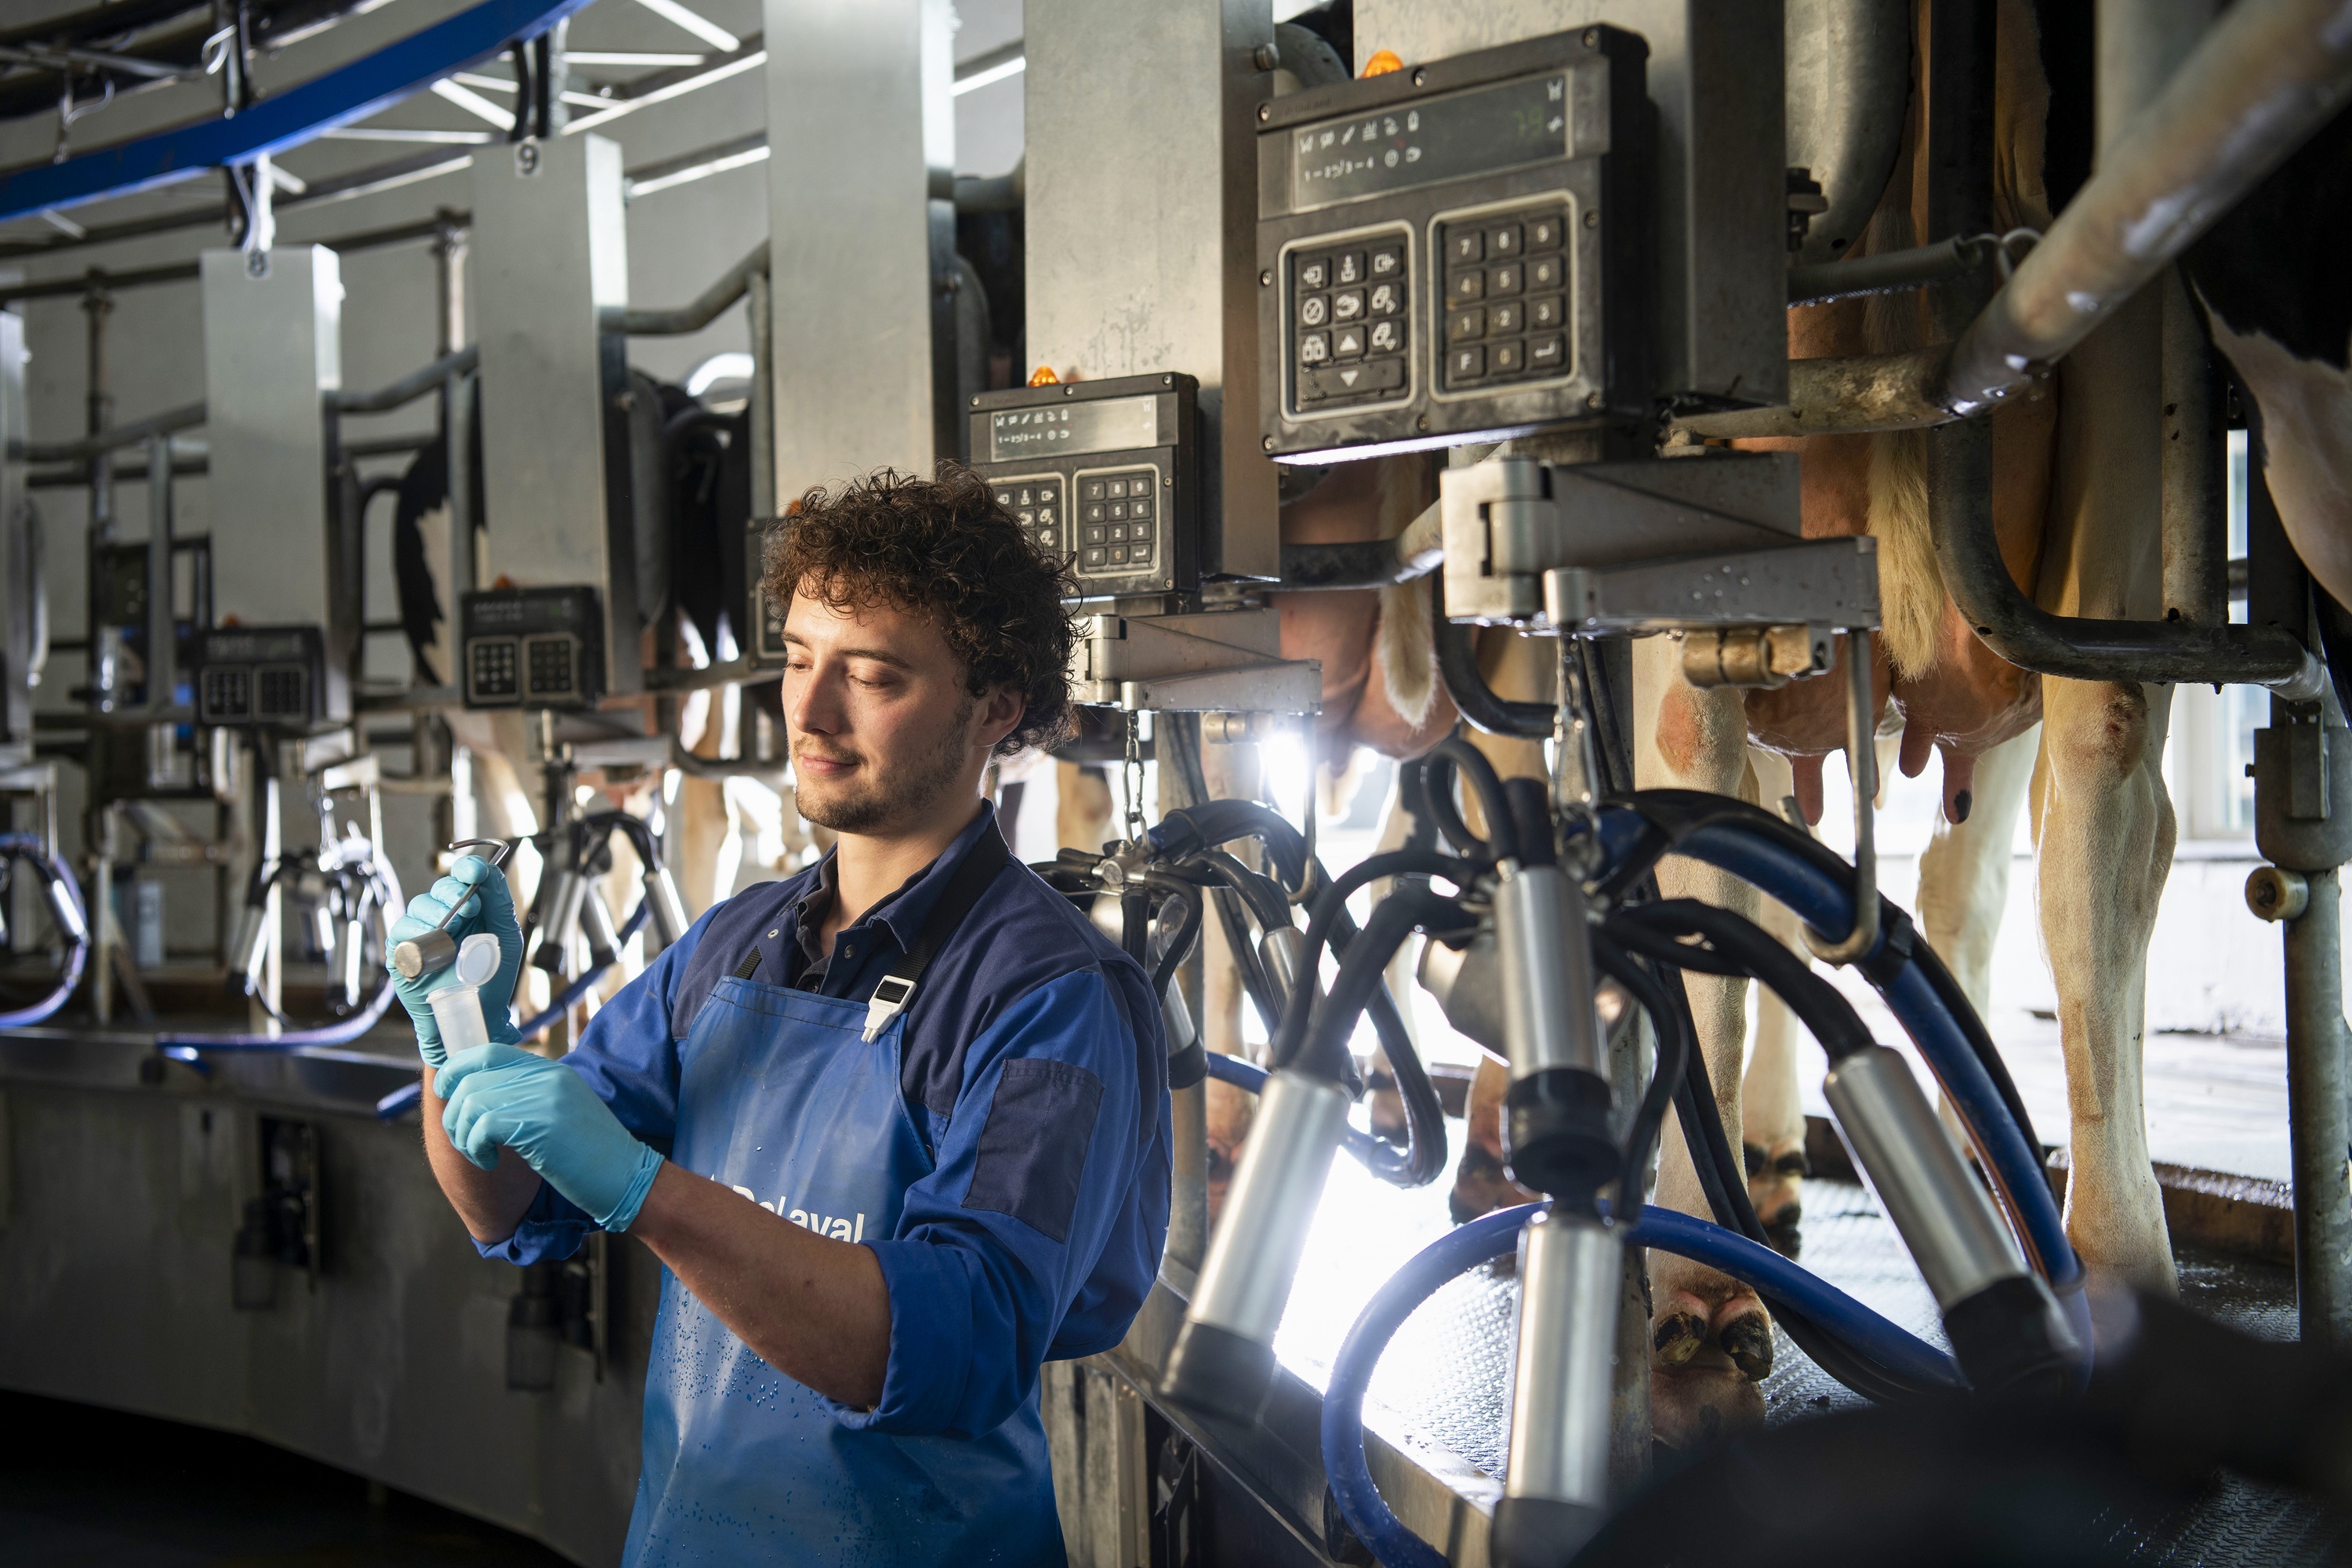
[(2074, 498)]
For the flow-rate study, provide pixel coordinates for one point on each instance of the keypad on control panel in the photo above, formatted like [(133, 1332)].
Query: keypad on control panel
[(1505, 298), (1120, 521), (1348, 328), (1041, 509)]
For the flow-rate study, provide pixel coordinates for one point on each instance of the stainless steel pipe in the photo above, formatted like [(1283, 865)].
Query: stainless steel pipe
[(2266, 76), (2319, 1129)]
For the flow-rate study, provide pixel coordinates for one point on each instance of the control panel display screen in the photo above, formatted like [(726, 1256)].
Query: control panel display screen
[(1109, 424), (1479, 131)]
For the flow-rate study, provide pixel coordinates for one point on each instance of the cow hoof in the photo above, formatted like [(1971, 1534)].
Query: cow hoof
[(1707, 1356), (1748, 1341), (1775, 1187), (1677, 1337)]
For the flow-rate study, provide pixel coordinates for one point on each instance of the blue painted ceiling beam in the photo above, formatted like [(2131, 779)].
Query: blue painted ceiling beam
[(286, 119)]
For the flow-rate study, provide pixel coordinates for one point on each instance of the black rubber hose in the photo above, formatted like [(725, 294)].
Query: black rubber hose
[(1457, 666), (1330, 907), (1212, 822), (1183, 734), (639, 831), (1452, 754), (1675, 1050), (1422, 1157), (1400, 914), (1219, 884), (1675, 814), (1723, 1178), (1739, 946), (1268, 904), (1616, 767), (1180, 943)]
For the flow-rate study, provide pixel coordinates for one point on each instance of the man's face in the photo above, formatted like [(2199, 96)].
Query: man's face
[(884, 728)]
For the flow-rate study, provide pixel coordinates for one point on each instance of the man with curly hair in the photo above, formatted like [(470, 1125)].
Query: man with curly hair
[(913, 1105)]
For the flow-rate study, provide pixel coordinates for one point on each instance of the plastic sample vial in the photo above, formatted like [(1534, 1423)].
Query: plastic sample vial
[(457, 1009)]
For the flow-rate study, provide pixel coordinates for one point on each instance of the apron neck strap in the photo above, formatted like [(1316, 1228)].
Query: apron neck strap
[(987, 856)]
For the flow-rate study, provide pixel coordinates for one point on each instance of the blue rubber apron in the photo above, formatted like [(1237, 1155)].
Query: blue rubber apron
[(781, 1098)]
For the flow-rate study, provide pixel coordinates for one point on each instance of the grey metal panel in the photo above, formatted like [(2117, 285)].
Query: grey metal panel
[(273, 349), (1141, 226), (1715, 73), (18, 587), (1849, 81), (861, 219), (549, 252), (114, 1290)]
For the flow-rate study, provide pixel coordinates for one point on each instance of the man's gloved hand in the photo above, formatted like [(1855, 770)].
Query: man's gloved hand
[(488, 907), (503, 1096)]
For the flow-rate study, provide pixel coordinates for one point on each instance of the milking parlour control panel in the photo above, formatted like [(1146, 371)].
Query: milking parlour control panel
[(1103, 473), (270, 677), (1453, 253), (531, 647)]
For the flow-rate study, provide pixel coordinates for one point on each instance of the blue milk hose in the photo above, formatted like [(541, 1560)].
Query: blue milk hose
[(1490, 1235)]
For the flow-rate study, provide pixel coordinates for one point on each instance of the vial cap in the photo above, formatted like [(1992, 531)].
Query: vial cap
[(478, 959)]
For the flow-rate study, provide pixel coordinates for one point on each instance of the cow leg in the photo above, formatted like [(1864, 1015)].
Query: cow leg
[(1771, 1111), (1964, 871), (1082, 806), (1711, 1339), (2105, 846)]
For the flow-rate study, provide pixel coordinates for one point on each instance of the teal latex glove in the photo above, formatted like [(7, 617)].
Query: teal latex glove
[(502, 1096), (488, 906)]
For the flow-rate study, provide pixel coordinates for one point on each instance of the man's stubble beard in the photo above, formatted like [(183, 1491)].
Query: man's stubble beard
[(895, 797)]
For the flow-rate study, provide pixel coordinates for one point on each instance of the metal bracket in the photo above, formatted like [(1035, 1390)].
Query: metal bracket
[(1209, 662), (1818, 583), (1646, 545)]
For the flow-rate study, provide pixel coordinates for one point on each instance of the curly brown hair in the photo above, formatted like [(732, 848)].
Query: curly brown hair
[(943, 548)]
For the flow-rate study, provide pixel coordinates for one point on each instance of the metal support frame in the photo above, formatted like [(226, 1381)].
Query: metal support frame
[(864, 99), (550, 255), (273, 368), (2302, 826)]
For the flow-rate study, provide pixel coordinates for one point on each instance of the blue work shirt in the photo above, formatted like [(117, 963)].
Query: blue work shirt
[(1050, 1253)]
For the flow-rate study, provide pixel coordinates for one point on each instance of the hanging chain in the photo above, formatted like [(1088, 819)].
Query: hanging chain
[(1133, 770)]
